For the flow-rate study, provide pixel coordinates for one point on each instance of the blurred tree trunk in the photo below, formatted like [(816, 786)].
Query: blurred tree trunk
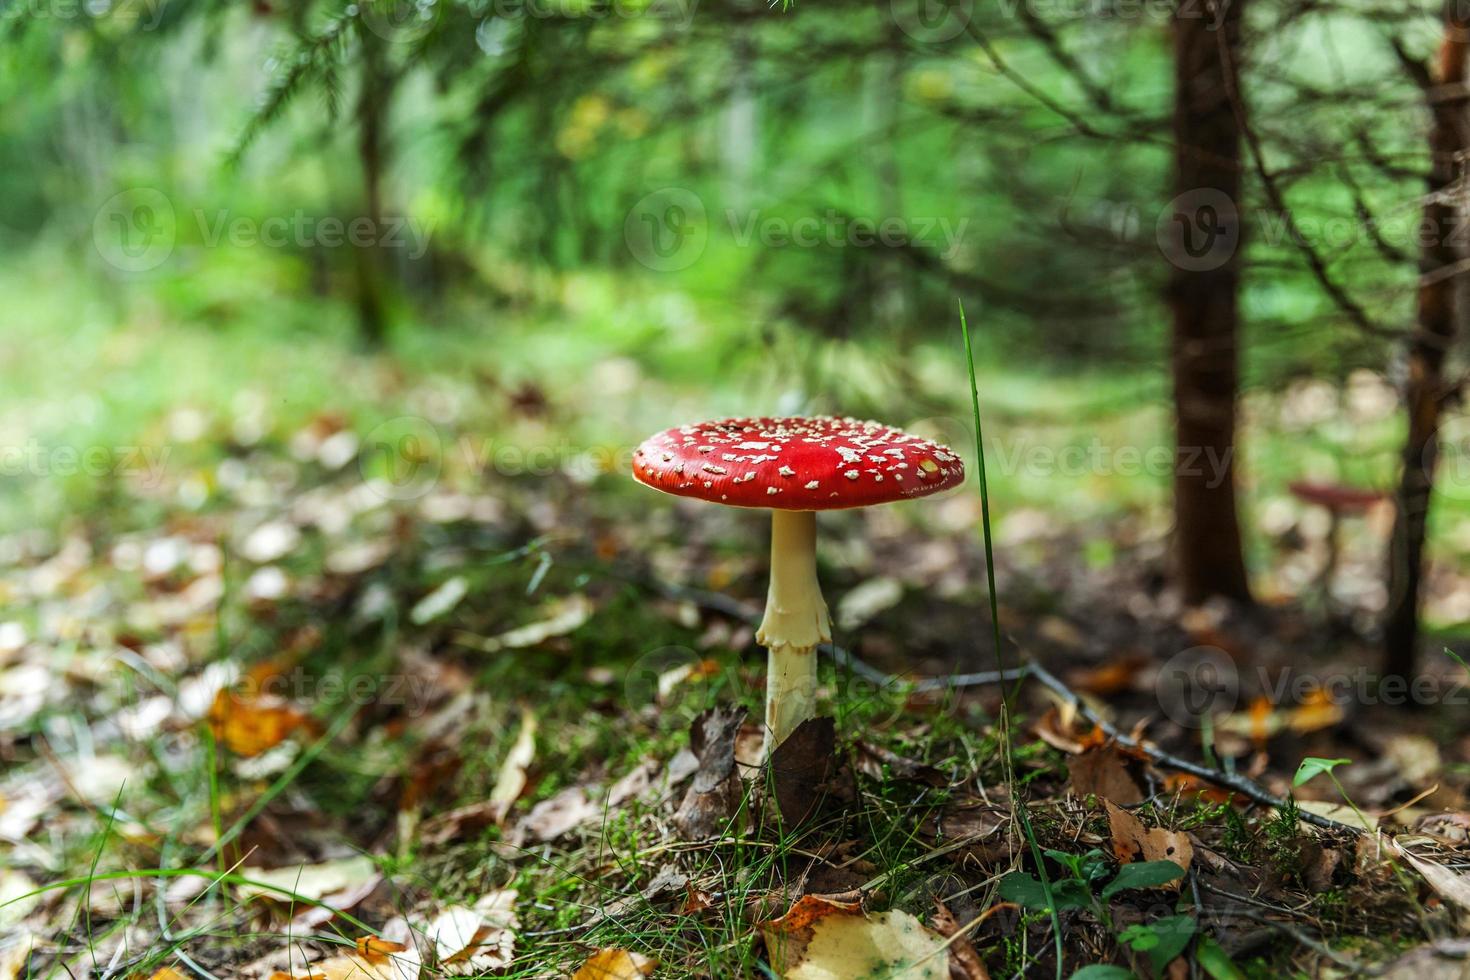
[(1427, 391), (373, 98), (1203, 298)]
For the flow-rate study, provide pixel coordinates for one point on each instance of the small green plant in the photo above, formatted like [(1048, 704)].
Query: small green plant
[(1313, 767)]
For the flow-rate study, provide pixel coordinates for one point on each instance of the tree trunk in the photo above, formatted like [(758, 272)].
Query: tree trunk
[(1202, 239), (372, 272), (1426, 390)]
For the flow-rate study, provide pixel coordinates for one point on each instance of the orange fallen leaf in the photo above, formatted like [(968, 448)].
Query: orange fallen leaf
[(248, 726), (370, 947), (167, 973)]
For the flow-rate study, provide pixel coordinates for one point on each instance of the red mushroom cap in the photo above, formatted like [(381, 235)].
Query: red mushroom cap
[(1334, 497), (819, 463)]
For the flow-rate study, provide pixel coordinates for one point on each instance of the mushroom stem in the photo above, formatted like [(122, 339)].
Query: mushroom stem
[(796, 621)]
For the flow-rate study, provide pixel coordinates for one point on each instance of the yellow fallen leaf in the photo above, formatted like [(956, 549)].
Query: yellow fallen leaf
[(167, 973), (615, 964), (566, 616), (312, 881), (819, 939), (512, 779)]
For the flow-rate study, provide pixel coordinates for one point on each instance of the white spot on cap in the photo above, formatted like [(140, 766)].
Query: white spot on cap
[(786, 471), (851, 474), (771, 490), (813, 485)]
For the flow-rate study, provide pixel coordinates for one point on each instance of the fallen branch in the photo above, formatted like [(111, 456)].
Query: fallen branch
[(1235, 782)]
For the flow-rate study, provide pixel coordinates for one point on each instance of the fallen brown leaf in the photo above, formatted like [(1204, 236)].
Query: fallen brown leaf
[(807, 770), (1106, 772), (714, 796), (964, 962), (1132, 841)]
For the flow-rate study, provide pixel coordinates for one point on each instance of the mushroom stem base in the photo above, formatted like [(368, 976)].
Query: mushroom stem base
[(791, 691), (796, 621)]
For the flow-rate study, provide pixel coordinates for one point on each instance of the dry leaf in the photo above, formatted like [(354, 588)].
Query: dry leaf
[(866, 600), (439, 602), (476, 939), (1106, 772), (13, 958), (807, 769), (615, 964), (1132, 841), (964, 962), (249, 725), (1452, 886), (1113, 677), (16, 900), (310, 881), (370, 946), (558, 815), (566, 616), (819, 939), (714, 796), (166, 973), (512, 780), (403, 965)]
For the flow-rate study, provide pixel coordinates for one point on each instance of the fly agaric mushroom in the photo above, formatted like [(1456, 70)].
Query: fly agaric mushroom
[(794, 467), (1339, 502)]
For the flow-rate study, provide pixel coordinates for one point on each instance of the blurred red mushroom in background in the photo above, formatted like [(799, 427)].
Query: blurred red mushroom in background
[(1339, 501)]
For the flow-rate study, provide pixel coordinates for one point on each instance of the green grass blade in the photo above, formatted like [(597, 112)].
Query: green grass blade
[(1022, 815)]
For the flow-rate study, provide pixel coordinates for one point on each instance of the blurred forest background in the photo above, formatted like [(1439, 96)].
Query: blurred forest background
[(604, 207)]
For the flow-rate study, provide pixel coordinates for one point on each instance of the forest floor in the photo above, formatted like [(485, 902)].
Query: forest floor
[(339, 698)]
